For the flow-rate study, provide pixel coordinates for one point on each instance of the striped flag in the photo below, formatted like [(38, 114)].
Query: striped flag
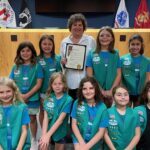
[(7, 15), (142, 17), (122, 16)]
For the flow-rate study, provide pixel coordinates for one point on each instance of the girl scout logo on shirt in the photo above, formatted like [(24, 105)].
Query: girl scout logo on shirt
[(112, 121), (17, 72), (25, 78), (127, 62), (50, 105), (1, 118), (141, 116), (42, 62), (141, 119), (81, 108), (96, 58), (140, 113), (52, 70)]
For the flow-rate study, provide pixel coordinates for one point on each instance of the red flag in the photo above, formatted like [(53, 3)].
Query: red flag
[(142, 17)]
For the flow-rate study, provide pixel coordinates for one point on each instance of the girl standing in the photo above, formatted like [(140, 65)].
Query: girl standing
[(50, 63), (77, 24), (144, 115), (14, 118), (123, 132), (28, 76), (104, 64), (89, 116), (57, 106), (135, 68)]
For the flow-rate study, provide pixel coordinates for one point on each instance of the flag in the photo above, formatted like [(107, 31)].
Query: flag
[(7, 15), (142, 17), (122, 16), (25, 20)]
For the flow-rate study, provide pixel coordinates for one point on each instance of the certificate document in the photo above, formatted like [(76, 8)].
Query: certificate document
[(75, 55)]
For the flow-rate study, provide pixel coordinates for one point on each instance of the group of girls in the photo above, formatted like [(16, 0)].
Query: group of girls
[(132, 70), (31, 75), (93, 125)]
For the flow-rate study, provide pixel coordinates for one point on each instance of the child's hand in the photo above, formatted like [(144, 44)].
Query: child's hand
[(103, 93), (44, 142), (83, 147), (109, 93), (1, 148), (25, 97)]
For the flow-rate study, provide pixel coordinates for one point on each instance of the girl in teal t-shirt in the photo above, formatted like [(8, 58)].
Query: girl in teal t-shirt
[(135, 68), (123, 132), (28, 75), (144, 117), (50, 63), (104, 64), (14, 118), (89, 116), (57, 107)]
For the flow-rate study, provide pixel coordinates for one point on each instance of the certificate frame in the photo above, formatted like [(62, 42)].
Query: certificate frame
[(75, 56)]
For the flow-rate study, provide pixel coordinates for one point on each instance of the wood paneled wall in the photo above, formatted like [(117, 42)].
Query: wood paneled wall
[(8, 47)]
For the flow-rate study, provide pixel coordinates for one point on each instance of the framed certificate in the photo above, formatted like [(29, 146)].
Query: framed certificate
[(75, 55)]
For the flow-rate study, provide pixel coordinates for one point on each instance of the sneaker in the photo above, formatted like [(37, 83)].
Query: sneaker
[(34, 144)]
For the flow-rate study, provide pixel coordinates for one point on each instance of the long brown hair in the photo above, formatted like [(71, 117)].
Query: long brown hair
[(51, 38), (18, 60), (92, 80), (143, 96), (140, 39), (111, 45)]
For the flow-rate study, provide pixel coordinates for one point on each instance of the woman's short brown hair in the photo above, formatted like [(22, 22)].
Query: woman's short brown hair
[(77, 17)]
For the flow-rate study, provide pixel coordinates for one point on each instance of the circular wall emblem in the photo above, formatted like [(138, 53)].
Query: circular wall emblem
[(122, 18)]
